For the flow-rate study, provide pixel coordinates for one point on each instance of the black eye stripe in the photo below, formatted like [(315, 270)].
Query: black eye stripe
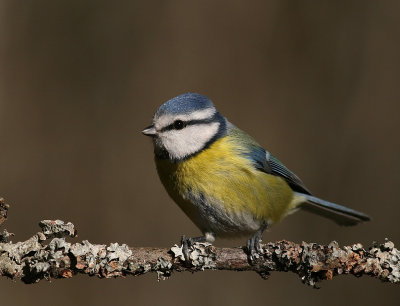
[(190, 122)]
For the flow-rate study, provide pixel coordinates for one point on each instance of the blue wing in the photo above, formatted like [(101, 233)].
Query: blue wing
[(266, 162), (292, 179)]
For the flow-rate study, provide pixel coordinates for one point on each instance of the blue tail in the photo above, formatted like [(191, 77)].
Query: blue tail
[(339, 214)]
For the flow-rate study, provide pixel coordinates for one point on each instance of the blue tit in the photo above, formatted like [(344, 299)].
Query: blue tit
[(223, 180)]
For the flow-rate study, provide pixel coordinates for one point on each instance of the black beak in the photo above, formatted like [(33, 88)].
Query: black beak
[(150, 131)]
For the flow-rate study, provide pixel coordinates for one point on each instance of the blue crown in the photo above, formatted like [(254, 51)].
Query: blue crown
[(185, 104)]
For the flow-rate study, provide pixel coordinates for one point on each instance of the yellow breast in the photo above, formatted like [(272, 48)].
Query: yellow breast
[(223, 175)]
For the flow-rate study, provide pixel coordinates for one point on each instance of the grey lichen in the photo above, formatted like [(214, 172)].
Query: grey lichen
[(85, 248), (117, 256), (3, 210), (57, 228), (201, 255), (138, 268), (8, 267), (89, 257), (163, 268), (386, 262), (5, 236), (177, 252), (120, 252), (17, 250)]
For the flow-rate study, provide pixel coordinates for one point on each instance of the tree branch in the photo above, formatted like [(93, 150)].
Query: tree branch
[(48, 255)]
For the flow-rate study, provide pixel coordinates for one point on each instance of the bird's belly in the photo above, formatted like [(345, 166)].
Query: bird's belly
[(210, 215), (225, 194)]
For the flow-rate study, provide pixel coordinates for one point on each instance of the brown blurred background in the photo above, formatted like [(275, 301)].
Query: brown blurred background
[(315, 82)]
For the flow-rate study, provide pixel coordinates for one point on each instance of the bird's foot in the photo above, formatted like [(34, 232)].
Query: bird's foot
[(187, 244), (254, 249)]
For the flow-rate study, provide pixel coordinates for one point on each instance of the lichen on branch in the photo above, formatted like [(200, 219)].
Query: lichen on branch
[(48, 255)]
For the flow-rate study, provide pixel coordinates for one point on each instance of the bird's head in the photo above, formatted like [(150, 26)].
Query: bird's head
[(184, 126)]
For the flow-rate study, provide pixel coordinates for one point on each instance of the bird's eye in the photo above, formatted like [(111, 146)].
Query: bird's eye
[(179, 125)]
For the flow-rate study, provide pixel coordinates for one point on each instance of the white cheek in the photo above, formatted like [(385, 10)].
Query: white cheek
[(189, 140)]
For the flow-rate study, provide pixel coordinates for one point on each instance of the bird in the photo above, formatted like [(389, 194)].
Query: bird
[(223, 180)]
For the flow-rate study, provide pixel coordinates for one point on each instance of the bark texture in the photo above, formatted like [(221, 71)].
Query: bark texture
[(48, 255)]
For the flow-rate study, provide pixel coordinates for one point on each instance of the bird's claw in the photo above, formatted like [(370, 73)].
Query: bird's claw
[(254, 249), (187, 243)]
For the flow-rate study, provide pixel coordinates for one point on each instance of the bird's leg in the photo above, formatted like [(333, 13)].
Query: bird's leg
[(253, 244), (187, 242)]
